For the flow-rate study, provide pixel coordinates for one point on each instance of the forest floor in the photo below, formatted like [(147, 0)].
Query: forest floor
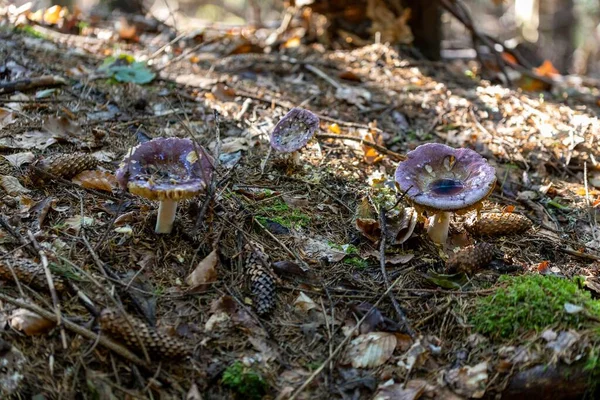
[(334, 332)]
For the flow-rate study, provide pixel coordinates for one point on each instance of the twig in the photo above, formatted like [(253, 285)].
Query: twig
[(51, 288), (377, 147), (103, 341), (343, 343), (382, 243), (27, 245), (186, 53), (33, 83)]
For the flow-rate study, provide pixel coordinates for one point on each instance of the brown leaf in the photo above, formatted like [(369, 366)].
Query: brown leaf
[(468, 381), (101, 180), (18, 159), (304, 303), (28, 140), (371, 350), (12, 186), (367, 220), (6, 117), (399, 392), (350, 76), (223, 92), (204, 273), (29, 322)]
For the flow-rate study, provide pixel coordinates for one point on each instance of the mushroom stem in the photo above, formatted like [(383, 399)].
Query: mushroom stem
[(295, 158), (438, 227), (166, 216)]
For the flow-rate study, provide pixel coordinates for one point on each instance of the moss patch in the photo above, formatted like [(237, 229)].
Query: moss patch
[(246, 382), (531, 302), (278, 211)]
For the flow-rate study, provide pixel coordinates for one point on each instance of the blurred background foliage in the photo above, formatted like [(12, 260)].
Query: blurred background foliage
[(565, 32)]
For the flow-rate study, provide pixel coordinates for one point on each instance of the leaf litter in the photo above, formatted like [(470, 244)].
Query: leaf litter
[(322, 219)]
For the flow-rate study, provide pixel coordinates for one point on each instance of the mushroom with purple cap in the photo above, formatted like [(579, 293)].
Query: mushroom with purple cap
[(439, 180), (167, 170), (293, 132)]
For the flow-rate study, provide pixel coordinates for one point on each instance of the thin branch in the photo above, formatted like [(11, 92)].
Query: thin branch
[(377, 147)]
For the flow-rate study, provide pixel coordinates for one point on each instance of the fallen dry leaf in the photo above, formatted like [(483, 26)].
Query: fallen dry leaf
[(371, 350), (317, 249), (468, 381), (101, 180), (29, 322), (304, 303), (193, 393), (6, 117), (28, 140), (12, 186), (204, 273), (413, 390), (75, 223), (18, 159)]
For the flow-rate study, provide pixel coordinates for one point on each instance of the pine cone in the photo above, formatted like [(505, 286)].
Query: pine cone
[(471, 258), (158, 345), (31, 274), (497, 224), (262, 281), (62, 165)]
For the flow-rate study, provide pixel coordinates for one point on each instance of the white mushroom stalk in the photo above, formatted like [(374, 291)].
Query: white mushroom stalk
[(438, 227), (166, 216)]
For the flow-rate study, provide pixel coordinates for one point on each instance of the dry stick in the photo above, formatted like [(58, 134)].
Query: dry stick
[(186, 53), (33, 83), (27, 245), (343, 343), (109, 344), (382, 242), (377, 147), (53, 294)]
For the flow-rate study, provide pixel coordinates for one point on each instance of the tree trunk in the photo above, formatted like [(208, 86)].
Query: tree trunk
[(425, 23)]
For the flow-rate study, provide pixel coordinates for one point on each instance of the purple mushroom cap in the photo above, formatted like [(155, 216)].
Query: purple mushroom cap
[(294, 130), (166, 168), (439, 177)]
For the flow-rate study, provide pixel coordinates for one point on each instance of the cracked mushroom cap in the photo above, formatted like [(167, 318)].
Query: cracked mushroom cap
[(437, 177), (166, 169), (294, 130)]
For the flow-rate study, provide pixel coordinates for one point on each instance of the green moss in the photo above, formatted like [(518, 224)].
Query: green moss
[(531, 302), (30, 31), (246, 382), (278, 211), (356, 262)]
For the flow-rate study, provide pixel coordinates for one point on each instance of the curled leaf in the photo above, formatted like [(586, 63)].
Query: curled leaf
[(371, 350), (101, 180), (204, 273), (29, 322)]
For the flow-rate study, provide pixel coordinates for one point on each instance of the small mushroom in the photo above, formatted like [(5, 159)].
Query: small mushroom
[(294, 131), (167, 170), (439, 180)]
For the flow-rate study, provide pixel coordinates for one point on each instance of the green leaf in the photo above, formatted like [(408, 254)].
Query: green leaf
[(452, 281)]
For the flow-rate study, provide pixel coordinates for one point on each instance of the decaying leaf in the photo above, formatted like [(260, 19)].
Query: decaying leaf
[(367, 220), (6, 117), (29, 322), (317, 249), (75, 223), (415, 356), (28, 140), (193, 393), (372, 156), (468, 381), (371, 350), (100, 180), (204, 273), (18, 159), (12, 186), (304, 303), (413, 390)]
